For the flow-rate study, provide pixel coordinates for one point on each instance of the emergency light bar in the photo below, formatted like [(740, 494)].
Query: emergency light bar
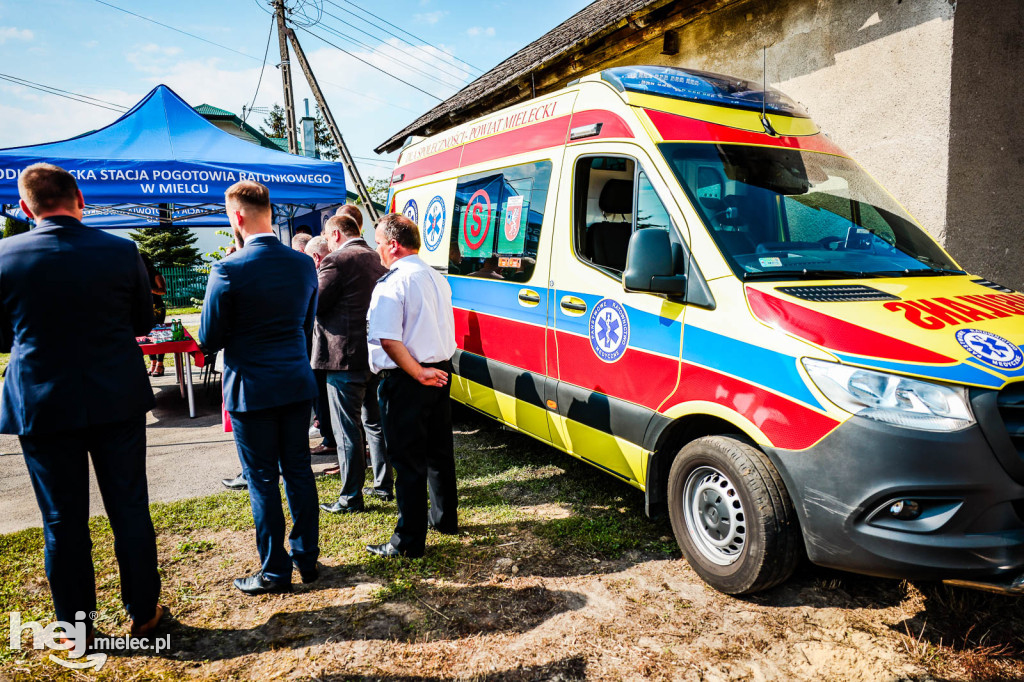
[(701, 86)]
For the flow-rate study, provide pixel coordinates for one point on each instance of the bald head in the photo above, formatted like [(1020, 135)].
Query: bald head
[(352, 212)]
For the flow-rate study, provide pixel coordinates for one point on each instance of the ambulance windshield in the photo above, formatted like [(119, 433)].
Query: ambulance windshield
[(789, 213)]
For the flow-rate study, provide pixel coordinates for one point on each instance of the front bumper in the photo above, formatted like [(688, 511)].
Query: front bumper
[(971, 528)]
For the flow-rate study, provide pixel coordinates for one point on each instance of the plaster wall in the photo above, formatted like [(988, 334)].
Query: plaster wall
[(874, 74)]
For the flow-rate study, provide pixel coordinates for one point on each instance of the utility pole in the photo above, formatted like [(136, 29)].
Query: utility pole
[(286, 79), (350, 164)]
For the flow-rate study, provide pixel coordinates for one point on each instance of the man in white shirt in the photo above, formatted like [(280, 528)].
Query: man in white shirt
[(411, 339)]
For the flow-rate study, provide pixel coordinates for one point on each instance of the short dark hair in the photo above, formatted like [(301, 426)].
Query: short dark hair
[(249, 194), (404, 231), (352, 212), (45, 187), (346, 225)]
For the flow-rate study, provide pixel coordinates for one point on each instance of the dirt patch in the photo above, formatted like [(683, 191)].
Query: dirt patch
[(555, 576)]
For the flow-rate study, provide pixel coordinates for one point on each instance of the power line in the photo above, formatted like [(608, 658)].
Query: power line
[(372, 66), (459, 78), (225, 47), (50, 90), (177, 30), (366, 11), (266, 51), (344, 36)]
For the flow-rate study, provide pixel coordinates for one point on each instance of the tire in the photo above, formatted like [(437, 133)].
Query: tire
[(732, 516)]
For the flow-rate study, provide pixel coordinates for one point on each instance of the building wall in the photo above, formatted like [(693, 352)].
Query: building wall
[(874, 74), (985, 196)]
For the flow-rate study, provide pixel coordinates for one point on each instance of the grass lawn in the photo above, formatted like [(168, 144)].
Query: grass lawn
[(205, 542)]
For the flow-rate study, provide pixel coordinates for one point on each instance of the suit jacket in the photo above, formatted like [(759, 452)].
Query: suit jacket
[(72, 300), (259, 308), (346, 280)]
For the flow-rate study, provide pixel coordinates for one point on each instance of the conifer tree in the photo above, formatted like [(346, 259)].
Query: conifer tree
[(169, 247)]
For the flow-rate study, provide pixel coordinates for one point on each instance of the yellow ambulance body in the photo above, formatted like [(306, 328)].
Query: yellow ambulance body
[(676, 277)]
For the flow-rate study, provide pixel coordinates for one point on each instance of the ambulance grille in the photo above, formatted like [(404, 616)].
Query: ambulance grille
[(1011, 409), (992, 285), (837, 293)]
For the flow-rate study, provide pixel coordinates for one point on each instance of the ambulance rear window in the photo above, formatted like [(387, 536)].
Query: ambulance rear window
[(701, 86)]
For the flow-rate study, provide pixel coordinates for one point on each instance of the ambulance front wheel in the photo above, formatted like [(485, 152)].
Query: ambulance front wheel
[(732, 516)]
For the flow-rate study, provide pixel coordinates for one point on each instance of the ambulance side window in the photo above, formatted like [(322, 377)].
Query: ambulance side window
[(603, 210), (497, 220)]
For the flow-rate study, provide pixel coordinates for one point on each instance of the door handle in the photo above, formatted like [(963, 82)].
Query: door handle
[(528, 297), (571, 305)]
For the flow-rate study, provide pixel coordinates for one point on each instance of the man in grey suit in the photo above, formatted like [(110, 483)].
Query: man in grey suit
[(347, 277)]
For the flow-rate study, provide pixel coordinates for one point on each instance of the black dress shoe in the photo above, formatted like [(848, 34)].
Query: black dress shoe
[(381, 494), (339, 508), (236, 483), (309, 575), (261, 584), (442, 531), (388, 550)]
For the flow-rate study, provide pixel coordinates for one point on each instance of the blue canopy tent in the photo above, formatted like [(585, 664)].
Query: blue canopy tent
[(162, 163)]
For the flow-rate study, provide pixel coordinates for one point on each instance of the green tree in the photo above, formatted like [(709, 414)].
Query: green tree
[(169, 247), (325, 146), (378, 189), (274, 124), (13, 227)]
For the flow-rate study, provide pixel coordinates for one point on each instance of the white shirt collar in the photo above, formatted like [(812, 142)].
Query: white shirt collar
[(250, 237), (413, 258)]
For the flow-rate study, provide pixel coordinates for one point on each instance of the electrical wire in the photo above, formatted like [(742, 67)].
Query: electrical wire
[(372, 66), (177, 30), (460, 77), (266, 51), (374, 50), (366, 11), (225, 47), (50, 90)]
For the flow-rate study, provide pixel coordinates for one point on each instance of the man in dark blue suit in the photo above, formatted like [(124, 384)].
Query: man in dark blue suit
[(71, 291), (260, 306)]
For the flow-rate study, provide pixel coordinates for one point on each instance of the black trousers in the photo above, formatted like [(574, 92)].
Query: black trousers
[(58, 465), (417, 422)]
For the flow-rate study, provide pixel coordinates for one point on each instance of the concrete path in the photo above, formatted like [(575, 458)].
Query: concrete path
[(185, 457)]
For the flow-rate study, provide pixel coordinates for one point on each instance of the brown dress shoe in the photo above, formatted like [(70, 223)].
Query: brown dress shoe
[(145, 629)]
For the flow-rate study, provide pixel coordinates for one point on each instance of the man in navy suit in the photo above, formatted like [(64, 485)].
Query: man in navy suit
[(71, 291), (259, 308)]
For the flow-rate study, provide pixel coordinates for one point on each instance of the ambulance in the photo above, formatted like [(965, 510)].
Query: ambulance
[(676, 277)]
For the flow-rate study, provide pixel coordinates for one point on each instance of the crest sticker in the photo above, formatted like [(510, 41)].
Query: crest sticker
[(990, 348), (433, 226), (609, 330), (411, 211)]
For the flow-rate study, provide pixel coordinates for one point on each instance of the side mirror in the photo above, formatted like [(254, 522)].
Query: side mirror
[(649, 264)]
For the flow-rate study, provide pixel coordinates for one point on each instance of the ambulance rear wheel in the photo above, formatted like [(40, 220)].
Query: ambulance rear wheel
[(732, 516)]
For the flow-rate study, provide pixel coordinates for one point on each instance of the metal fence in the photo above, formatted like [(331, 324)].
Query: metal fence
[(184, 285)]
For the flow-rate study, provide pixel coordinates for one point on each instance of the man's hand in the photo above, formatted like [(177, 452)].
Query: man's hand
[(431, 376)]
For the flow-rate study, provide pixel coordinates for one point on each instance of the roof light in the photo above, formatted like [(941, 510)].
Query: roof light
[(580, 132), (701, 86)]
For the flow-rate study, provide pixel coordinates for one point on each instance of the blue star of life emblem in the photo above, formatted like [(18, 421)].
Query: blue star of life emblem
[(990, 348), (434, 227), (609, 330)]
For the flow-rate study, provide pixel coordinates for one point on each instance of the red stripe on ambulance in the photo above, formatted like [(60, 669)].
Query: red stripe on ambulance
[(673, 127), (836, 334)]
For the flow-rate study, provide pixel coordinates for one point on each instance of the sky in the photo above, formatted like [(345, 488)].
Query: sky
[(90, 48)]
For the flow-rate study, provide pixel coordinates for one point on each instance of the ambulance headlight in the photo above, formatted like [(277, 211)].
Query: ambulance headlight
[(890, 398)]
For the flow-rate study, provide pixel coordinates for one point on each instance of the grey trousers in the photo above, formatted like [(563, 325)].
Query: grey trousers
[(352, 395)]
